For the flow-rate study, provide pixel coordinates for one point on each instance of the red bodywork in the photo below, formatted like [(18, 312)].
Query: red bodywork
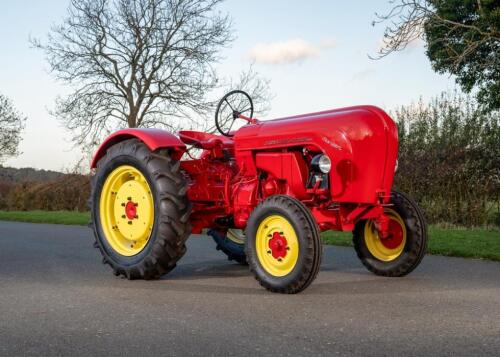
[(266, 158), (154, 138)]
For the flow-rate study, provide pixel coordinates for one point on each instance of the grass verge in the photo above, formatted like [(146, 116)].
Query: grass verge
[(455, 242), (53, 217), (458, 242)]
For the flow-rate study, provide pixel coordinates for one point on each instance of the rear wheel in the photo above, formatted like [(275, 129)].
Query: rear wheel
[(403, 250), (231, 243), (140, 212), (283, 245)]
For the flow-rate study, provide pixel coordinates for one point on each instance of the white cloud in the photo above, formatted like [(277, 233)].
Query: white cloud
[(290, 51)]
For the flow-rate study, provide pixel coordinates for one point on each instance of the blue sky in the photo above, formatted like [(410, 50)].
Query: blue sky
[(329, 41)]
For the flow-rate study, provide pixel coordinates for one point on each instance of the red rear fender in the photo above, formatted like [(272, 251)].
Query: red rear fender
[(153, 138)]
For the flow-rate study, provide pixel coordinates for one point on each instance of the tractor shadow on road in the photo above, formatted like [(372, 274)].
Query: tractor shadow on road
[(339, 277), (212, 276), (207, 270), (220, 276)]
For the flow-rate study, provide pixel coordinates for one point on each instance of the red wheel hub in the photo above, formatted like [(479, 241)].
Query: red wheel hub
[(278, 246), (395, 237), (130, 210)]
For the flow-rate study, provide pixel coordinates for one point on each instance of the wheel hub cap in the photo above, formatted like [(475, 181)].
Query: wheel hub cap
[(395, 238), (131, 210), (278, 245)]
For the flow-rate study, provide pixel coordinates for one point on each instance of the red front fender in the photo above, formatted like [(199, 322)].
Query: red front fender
[(153, 138)]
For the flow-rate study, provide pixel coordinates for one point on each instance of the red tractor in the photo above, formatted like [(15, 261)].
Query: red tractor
[(264, 191)]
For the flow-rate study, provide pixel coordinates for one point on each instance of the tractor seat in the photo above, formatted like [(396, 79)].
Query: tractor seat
[(205, 141)]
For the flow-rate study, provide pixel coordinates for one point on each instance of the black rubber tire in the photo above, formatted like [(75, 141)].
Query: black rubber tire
[(416, 240), (171, 225), (310, 247), (233, 250)]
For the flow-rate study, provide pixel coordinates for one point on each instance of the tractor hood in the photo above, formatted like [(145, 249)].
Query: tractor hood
[(361, 142)]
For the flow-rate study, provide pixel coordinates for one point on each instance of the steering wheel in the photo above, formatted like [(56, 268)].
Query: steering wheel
[(234, 105)]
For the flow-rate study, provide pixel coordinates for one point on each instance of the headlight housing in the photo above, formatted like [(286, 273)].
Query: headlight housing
[(321, 163)]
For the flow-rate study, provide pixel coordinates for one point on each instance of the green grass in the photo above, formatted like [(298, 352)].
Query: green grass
[(456, 242), (459, 242), (54, 217)]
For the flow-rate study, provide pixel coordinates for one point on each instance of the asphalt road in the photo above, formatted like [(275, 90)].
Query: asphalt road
[(56, 298)]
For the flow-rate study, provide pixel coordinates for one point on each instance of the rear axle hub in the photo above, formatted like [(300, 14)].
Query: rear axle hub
[(131, 210)]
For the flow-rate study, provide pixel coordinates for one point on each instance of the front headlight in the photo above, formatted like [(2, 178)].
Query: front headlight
[(321, 163)]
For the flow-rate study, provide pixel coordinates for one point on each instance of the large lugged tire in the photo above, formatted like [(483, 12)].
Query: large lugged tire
[(140, 211), (403, 251), (283, 245), (231, 243)]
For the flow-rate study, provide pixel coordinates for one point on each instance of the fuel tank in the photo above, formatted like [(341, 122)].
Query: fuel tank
[(361, 141)]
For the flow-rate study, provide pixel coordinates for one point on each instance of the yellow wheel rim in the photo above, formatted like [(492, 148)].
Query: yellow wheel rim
[(126, 210), (277, 245), (391, 248), (236, 235)]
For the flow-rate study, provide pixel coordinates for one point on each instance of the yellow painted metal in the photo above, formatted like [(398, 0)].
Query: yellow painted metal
[(270, 225), (127, 236), (236, 235), (375, 245)]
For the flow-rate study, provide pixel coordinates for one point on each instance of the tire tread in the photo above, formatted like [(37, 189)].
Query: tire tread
[(173, 224), (418, 227)]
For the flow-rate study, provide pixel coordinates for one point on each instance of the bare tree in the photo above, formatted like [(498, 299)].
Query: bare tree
[(135, 63), (405, 24), (462, 38), (257, 87), (11, 126), (407, 21), (251, 82)]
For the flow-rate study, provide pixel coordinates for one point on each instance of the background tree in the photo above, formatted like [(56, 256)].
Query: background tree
[(462, 38), (136, 63), (449, 159), (11, 126)]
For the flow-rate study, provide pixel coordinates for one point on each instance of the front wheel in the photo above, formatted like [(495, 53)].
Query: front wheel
[(283, 245), (403, 250)]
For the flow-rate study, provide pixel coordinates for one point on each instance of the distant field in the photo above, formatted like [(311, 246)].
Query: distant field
[(459, 242)]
